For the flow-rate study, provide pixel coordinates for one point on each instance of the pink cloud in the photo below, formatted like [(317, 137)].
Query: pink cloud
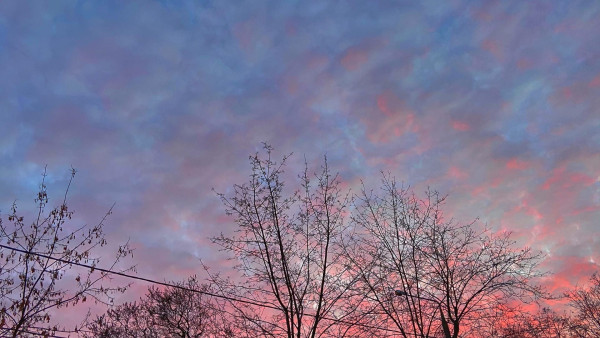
[(487, 186), (564, 180), (577, 93), (387, 103), (524, 63), (244, 32), (573, 271), (492, 47), (514, 163), (354, 58), (393, 123), (461, 126), (525, 207), (591, 208), (457, 173), (595, 82)]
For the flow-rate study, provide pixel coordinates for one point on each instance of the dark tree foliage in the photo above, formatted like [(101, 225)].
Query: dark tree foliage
[(169, 312), (32, 286)]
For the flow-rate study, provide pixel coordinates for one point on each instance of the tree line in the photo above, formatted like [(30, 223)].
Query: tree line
[(312, 260)]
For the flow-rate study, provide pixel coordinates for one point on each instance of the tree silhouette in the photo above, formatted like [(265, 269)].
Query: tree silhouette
[(314, 260), (543, 324), (446, 275), (586, 302), (32, 285), (171, 312), (287, 244)]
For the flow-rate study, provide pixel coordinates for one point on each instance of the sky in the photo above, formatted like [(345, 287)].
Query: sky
[(157, 103)]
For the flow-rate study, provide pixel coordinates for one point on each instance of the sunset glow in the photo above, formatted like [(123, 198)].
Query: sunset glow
[(157, 103)]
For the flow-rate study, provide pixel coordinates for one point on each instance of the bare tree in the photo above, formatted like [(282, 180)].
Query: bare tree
[(287, 244), (586, 303), (39, 277), (543, 324), (428, 276), (184, 312)]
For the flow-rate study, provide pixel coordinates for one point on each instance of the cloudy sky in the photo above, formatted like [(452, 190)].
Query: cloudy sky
[(496, 103)]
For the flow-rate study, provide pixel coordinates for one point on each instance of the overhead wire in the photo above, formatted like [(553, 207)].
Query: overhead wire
[(208, 293), (34, 333)]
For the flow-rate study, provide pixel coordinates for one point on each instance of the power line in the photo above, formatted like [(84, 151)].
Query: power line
[(147, 280), (36, 333), (122, 274)]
